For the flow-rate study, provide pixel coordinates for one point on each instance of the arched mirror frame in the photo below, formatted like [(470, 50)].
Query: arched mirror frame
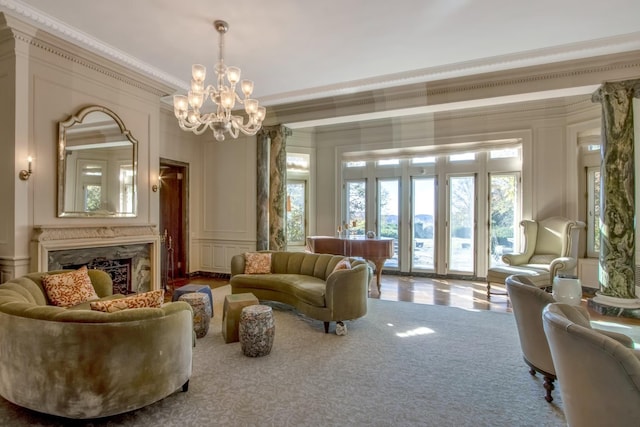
[(63, 127)]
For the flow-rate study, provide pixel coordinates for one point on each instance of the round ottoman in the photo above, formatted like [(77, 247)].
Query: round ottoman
[(256, 330), (201, 309)]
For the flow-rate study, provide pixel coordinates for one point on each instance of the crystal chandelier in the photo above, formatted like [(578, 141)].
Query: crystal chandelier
[(224, 97)]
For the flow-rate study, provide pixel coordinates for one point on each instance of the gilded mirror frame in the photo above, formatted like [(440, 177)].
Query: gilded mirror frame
[(101, 137)]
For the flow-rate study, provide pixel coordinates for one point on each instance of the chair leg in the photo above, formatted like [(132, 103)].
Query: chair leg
[(532, 372), (488, 290), (326, 327), (185, 386), (548, 385)]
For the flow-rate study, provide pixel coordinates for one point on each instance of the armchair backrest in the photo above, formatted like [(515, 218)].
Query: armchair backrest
[(528, 301), (599, 377), (555, 236)]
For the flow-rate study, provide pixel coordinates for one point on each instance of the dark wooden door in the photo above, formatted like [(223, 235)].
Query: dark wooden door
[(173, 220)]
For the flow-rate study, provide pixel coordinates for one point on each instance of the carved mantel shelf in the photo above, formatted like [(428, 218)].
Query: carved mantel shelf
[(49, 238), (44, 233)]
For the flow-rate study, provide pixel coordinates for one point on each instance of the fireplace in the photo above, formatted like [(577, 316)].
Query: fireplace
[(130, 254)]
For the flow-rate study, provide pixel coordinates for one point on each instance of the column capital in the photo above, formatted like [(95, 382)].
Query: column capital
[(275, 131), (631, 88)]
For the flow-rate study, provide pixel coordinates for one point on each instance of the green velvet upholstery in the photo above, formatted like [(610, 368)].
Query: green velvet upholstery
[(78, 363), (308, 283)]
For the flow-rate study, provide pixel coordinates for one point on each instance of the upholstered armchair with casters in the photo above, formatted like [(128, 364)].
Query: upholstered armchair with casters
[(550, 248), (528, 302), (599, 376)]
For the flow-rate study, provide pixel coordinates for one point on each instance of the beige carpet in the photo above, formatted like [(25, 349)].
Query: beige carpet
[(403, 364)]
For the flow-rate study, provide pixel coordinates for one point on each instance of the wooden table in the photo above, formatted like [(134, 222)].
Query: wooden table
[(375, 250)]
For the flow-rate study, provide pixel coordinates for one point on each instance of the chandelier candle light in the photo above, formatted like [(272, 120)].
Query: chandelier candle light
[(224, 97)]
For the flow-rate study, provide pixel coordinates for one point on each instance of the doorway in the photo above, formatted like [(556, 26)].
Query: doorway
[(174, 219)]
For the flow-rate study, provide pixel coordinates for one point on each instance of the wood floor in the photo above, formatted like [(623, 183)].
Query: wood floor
[(450, 292)]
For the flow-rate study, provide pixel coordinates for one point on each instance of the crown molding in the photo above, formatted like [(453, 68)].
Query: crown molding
[(562, 79), (85, 41), (12, 27)]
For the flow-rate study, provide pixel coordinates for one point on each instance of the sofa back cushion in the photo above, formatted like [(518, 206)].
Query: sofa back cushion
[(316, 265)]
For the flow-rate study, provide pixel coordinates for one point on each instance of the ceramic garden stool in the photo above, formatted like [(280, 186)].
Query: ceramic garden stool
[(205, 289), (233, 305), (257, 330), (201, 318)]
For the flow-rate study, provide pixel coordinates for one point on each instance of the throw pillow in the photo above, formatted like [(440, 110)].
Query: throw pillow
[(153, 299), (257, 263), (343, 264), (68, 289)]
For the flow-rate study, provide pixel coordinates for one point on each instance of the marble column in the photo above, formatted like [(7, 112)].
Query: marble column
[(262, 214), (272, 179), (617, 175)]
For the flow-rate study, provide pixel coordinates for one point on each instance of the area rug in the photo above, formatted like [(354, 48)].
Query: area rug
[(403, 364)]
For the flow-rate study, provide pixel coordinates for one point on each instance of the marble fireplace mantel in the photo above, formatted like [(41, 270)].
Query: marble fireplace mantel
[(52, 238)]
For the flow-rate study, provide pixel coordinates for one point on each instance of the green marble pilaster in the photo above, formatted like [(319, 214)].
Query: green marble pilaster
[(275, 177), (617, 175), (262, 190)]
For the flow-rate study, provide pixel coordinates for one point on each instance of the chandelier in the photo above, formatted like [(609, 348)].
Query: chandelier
[(224, 97)]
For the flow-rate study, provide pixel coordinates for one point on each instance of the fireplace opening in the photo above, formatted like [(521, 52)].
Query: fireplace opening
[(128, 265), (118, 269)]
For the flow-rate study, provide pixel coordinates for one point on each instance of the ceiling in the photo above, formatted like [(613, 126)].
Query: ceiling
[(301, 50)]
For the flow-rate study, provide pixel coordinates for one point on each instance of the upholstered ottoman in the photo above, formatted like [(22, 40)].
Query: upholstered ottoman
[(256, 330), (231, 310), (205, 289), (201, 309)]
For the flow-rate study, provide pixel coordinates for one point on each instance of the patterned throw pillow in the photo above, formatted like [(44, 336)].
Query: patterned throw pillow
[(69, 289), (153, 299), (344, 264), (257, 263)]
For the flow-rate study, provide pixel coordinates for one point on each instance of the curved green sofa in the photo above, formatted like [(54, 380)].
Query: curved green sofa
[(307, 282), (78, 363)]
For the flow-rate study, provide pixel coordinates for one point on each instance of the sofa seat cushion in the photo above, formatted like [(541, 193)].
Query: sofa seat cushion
[(308, 289)]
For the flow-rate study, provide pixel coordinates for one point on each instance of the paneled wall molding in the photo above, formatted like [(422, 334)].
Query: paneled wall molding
[(581, 74), (50, 44)]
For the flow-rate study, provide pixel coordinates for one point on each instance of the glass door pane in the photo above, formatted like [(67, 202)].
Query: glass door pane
[(461, 223), (423, 233), (504, 216), (389, 214), (296, 212), (356, 207)]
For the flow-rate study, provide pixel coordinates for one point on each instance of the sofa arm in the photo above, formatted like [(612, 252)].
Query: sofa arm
[(237, 264), (562, 264), (346, 292), (515, 259), (621, 338)]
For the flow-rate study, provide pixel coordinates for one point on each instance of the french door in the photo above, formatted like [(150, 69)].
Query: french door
[(423, 223), (461, 224)]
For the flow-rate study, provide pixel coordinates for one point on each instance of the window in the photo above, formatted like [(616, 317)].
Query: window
[(464, 157), (388, 162), (593, 211), (296, 212), (503, 215), (461, 223), (356, 206), (505, 153), (359, 164)]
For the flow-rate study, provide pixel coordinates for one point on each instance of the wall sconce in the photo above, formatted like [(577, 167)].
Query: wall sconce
[(25, 174), (155, 187)]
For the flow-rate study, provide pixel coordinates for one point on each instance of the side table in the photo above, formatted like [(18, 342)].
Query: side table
[(205, 289), (257, 330), (233, 305), (201, 318)]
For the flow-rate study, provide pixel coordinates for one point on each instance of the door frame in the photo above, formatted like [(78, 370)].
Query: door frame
[(185, 241)]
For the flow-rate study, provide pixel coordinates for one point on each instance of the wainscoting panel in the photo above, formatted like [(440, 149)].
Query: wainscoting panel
[(588, 272), (215, 256)]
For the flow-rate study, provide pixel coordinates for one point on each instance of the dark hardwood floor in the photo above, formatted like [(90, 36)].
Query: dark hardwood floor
[(465, 294)]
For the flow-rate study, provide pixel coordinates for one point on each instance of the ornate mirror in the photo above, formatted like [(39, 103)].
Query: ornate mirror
[(97, 165)]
